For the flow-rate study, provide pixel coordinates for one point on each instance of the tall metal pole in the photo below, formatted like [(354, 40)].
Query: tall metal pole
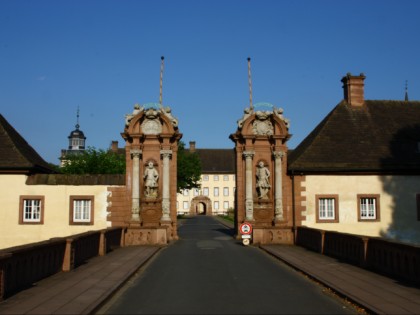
[(161, 80), (250, 83)]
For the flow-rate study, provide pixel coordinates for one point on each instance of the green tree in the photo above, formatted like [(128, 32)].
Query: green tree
[(98, 161), (94, 161), (189, 168)]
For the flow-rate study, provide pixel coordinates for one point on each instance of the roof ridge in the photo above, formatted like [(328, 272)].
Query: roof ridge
[(29, 158), (308, 141)]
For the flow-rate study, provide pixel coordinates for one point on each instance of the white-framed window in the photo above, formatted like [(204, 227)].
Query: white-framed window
[(195, 191), (225, 204), (216, 205), (368, 207), (205, 191), (225, 191), (225, 177), (216, 191), (186, 192), (31, 209), (216, 177), (327, 208), (205, 178), (81, 210), (185, 205)]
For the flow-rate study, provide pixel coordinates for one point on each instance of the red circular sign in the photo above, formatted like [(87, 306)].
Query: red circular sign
[(245, 228)]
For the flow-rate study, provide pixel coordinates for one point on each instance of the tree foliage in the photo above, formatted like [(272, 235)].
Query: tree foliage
[(94, 161), (98, 161), (188, 168)]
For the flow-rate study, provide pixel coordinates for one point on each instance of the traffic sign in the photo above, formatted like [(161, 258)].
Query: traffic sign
[(245, 228)]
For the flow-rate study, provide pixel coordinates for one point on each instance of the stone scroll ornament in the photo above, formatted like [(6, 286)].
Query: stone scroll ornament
[(151, 124), (262, 125)]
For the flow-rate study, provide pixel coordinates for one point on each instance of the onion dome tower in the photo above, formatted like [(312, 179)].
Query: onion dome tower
[(77, 141), (77, 137)]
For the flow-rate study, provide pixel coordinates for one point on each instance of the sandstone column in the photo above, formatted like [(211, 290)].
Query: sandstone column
[(135, 210), (249, 202), (166, 155), (278, 192)]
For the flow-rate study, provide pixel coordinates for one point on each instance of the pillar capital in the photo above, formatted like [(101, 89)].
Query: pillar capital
[(278, 154), (136, 153), (166, 153), (248, 154)]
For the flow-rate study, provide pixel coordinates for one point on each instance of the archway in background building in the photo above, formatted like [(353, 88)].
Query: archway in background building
[(201, 205)]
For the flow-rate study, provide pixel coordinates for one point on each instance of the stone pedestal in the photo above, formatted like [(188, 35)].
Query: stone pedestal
[(146, 236), (263, 212), (272, 235)]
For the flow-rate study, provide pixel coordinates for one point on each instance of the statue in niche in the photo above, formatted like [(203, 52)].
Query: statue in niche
[(263, 180), (151, 177)]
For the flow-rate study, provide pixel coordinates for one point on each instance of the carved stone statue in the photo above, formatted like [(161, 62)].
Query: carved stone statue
[(263, 182), (279, 113), (168, 113), (247, 112), (151, 177), (137, 110)]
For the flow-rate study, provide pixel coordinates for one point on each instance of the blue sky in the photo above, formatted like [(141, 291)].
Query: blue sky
[(104, 56)]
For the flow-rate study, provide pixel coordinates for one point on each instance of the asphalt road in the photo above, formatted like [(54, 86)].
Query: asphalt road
[(208, 272)]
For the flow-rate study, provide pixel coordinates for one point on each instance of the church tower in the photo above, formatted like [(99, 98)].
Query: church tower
[(77, 141)]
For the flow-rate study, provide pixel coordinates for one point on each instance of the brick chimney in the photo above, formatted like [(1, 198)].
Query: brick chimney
[(354, 89), (192, 146), (114, 146)]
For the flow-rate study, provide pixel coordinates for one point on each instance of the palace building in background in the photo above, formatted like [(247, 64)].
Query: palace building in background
[(216, 195)]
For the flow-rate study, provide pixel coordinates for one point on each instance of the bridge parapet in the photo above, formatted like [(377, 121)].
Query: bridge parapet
[(22, 266), (393, 259)]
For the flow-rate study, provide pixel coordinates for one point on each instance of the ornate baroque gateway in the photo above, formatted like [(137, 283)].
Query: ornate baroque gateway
[(151, 136), (261, 183)]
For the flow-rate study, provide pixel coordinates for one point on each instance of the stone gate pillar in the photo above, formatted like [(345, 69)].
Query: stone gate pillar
[(151, 143), (278, 189), (136, 154), (166, 203), (263, 188), (249, 204)]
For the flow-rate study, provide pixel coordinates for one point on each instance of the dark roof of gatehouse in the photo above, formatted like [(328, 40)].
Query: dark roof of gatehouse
[(16, 155), (378, 137), (217, 161)]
